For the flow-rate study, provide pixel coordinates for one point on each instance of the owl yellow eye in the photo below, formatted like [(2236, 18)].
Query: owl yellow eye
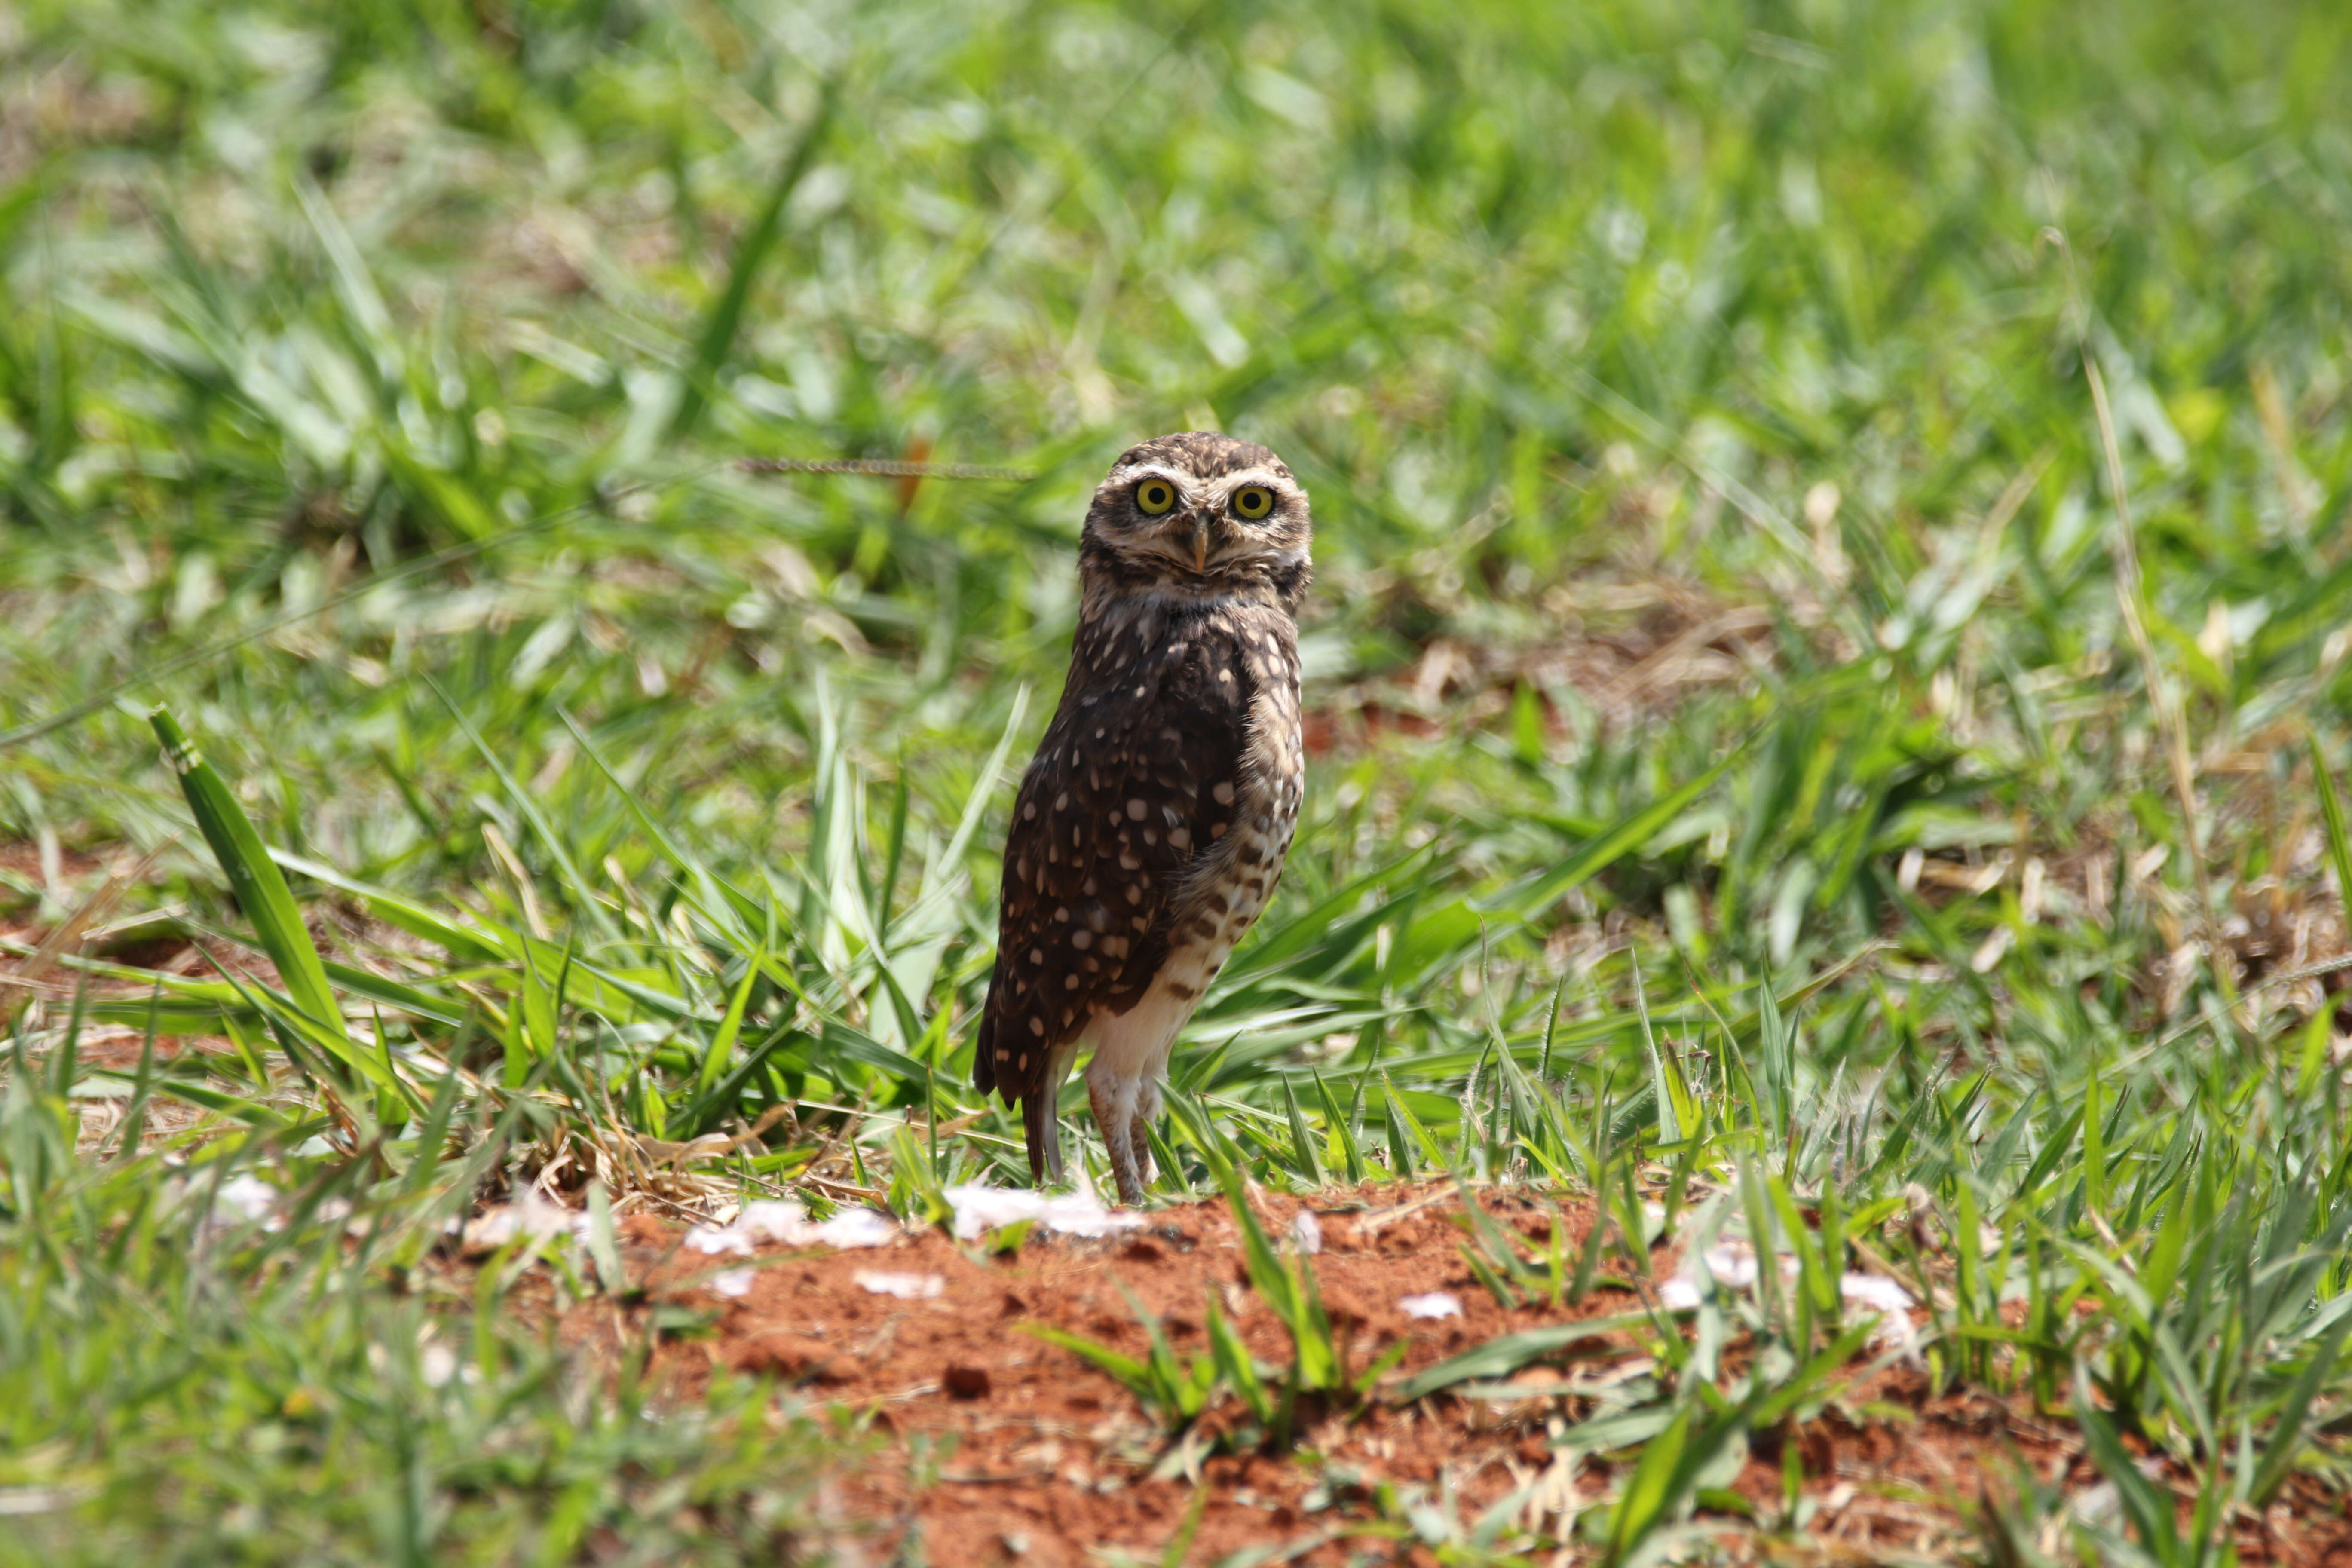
[(1254, 501), (1155, 496)]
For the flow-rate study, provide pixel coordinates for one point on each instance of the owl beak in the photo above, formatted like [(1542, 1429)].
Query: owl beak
[(1199, 543)]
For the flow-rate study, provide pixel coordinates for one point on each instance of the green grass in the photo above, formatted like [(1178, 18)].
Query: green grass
[(370, 385)]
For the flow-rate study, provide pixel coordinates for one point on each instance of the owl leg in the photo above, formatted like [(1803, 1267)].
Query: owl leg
[(1114, 1102), (1147, 1113), (1125, 1105)]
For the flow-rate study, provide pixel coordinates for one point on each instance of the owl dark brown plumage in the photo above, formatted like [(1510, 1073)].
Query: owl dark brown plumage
[(1151, 825)]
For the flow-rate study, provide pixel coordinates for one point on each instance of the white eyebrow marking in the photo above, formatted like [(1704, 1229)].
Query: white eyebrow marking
[(1126, 477), (1264, 478)]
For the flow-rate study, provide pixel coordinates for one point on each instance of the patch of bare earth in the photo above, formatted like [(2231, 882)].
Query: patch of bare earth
[(998, 1447), (1629, 649)]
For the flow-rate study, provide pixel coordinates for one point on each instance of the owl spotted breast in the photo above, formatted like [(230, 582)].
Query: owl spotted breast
[(1153, 823)]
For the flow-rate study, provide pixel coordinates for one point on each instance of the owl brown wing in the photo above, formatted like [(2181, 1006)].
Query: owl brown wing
[(1137, 776)]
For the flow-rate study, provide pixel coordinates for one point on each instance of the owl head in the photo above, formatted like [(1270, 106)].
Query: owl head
[(1197, 514)]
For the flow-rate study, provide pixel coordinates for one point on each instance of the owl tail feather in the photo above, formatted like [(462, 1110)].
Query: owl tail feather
[(984, 1050)]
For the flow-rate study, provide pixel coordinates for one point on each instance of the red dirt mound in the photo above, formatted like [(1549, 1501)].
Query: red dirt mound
[(998, 1447)]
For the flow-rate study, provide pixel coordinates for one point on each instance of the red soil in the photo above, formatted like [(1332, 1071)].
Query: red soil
[(1000, 1448)]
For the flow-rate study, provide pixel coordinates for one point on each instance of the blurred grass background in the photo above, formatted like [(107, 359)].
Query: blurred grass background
[(299, 295), (1718, 595)]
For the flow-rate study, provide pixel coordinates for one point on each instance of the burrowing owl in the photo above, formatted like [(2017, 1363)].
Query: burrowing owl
[(1155, 816)]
